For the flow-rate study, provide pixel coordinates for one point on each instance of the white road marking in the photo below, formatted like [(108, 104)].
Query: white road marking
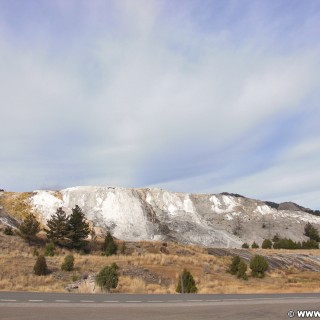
[(133, 301), (8, 300), (35, 300), (62, 300), (111, 301), (155, 301), (194, 300), (213, 300), (86, 301), (175, 300)]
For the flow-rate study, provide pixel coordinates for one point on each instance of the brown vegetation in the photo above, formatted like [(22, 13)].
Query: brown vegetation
[(145, 269)]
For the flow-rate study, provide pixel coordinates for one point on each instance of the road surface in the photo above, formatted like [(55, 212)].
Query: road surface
[(60, 306)]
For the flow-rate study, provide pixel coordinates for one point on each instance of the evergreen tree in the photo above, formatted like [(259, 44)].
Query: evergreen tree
[(78, 228), (49, 250), (254, 245), (40, 268), (109, 246), (311, 232), (266, 244), (108, 277), (245, 245), (259, 265), (186, 283), (233, 268), (68, 263), (29, 227), (57, 226), (238, 267)]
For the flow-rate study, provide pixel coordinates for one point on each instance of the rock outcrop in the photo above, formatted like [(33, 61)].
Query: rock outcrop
[(212, 220)]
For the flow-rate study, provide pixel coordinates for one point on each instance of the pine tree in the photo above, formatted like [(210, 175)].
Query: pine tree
[(186, 283), (78, 229), (68, 263), (29, 227), (259, 265), (108, 277), (40, 268), (109, 246), (57, 226)]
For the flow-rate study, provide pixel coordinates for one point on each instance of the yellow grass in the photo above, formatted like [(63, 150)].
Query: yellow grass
[(17, 261)]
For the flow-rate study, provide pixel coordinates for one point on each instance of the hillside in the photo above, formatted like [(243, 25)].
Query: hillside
[(211, 220), (146, 268)]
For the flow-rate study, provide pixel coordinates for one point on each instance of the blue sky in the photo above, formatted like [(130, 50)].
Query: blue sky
[(194, 96)]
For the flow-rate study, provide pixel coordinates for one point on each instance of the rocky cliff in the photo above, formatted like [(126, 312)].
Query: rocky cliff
[(213, 220)]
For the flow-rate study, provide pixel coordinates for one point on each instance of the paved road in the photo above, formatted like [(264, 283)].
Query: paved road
[(50, 306)]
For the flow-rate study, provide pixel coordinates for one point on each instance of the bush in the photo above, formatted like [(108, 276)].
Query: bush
[(49, 251), (310, 244), (40, 268), (258, 266), (266, 244), (233, 268), (109, 246), (35, 252), (254, 245), (245, 246), (8, 231), (242, 269), (238, 267), (311, 232), (68, 263), (108, 277), (186, 283)]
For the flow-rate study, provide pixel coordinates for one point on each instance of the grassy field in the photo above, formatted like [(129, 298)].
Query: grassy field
[(144, 269)]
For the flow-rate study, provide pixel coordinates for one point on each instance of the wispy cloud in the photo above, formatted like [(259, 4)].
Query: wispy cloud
[(193, 96)]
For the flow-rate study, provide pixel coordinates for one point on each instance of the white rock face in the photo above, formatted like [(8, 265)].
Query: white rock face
[(156, 214)]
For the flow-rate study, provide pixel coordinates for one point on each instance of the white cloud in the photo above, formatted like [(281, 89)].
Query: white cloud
[(149, 88)]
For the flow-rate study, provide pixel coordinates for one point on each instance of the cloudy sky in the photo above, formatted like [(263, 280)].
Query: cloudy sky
[(186, 95)]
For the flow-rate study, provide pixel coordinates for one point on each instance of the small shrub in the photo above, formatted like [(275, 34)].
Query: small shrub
[(233, 268), (108, 278), (238, 267), (186, 283), (242, 269), (123, 248), (75, 278), (245, 246), (40, 268), (49, 251), (109, 246), (254, 245), (266, 244), (258, 266), (8, 231), (68, 263)]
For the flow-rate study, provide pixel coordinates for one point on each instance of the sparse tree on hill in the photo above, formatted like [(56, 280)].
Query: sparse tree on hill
[(245, 246), (40, 268), (58, 226), (186, 283), (238, 267), (108, 277), (29, 228), (78, 229), (68, 263), (109, 246), (258, 265), (311, 232), (254, 245), (266, 244)]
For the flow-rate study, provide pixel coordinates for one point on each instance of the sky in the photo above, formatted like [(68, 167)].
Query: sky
[(199, 96)]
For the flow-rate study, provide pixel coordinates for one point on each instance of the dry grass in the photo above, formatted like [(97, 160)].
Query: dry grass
[(17, 261), (16, 204)]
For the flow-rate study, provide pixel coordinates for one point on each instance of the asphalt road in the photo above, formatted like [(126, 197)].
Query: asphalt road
[(60, 306)]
